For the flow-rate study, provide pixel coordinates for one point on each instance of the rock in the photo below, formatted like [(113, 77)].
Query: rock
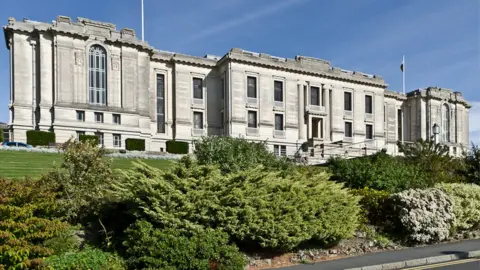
[(361, 234), (371, 243), (268, 261), (333, 251)]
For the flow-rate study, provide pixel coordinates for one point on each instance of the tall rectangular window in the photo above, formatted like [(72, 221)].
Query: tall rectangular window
[(278, 85), (399, 125), (251, 87), (117, 140), (347, 99), (100, 137), (98, 117), (198, 120), (369, 132), (368, 104), (279, 121), (160, 103), (348, 129), (252, 119), (81, 116), (222, 81), (117, 119), (197, 88), (314, 96)]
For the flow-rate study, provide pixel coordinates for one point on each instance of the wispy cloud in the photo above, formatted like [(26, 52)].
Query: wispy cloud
[(243, 19)]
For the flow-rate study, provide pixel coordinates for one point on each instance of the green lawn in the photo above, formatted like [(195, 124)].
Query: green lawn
[(19, 164)]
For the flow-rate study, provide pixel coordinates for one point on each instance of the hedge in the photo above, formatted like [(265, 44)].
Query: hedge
[(135, 144), (36, 137), (85, 138), (1, 136), (175, 147)]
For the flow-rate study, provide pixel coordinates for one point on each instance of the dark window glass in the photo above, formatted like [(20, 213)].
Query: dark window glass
[(117, 119), (399, 123), (348, 129), (252, 119), (314, 96), (368, 104), (97, 70), (278, 91), (278, 121), (251, 87), (223, 88), (160, 103), (348, 101), (197, 88), (369, 131)]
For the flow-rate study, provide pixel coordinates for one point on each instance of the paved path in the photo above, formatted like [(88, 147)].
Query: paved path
[(469, 264), (393, 256)]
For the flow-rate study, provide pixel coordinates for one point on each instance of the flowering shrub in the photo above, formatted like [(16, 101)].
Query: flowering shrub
[(466, 199), (423, 216)]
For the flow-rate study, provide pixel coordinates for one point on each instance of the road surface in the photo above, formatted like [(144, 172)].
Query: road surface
[(470, 264)]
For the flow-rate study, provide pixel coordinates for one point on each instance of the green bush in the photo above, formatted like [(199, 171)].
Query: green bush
[(374, 205), (88, 258), (379, 172), (255, 207), (237, 154), (175, 147), (149, 248), (135, 144), (2, 138), (43, 138), (466, 199), (89, 138), (422, 215)]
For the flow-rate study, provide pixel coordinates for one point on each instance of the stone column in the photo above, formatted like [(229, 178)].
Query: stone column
[(326, 135), (301, 112)]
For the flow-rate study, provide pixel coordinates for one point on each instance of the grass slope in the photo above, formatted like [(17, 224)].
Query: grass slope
[(19, 164)]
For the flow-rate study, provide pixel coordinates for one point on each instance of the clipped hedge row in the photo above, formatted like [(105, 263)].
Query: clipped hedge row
[(175, 147), (135, 144), (91, 138), (37, 137)]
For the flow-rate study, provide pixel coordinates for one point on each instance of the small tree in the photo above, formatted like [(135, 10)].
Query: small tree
[(2, 138), (472, 165)]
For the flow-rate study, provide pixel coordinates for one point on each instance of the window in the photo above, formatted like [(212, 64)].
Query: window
[(160, 103), (81, 116), (368, 104), (117, 140), (117, 119), (80, 133), (278, 121), (222, 119), (99, 117), (198, 120), (280, 150), (252, 119), (97, 71), (222, 81), (445, 123), (347, 98), (369, 132), (278, 85), (251, 87), (100, 138), (400, 124), (197, 88), (348, 129), (315, 96)]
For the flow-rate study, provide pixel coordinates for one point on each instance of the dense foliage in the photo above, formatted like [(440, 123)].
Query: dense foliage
[(135, 144), (254, 207), (2, 138), (423, 216), (89, 258), (37, 137), (379, 172), (236, 154), (472, 165), (176, 147), (466, 199), (374, 205), (89, 138), (27, 221), (150, 248)]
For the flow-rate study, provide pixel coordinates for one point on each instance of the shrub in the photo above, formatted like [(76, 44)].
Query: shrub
[(255, 207), (36, 137), (466, 199), (149, 248), (2, 138), (236, 154), (89, 138), (175, 147), (81, 180), (88, 258), (374, 205), (423, 216), (379, 172), (471, 161), (135, 144)]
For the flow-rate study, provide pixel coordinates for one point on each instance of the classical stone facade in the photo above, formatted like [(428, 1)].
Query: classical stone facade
[(87, 77)]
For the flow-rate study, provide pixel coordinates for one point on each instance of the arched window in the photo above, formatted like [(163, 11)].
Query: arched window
[(445, 123), (97, 72)]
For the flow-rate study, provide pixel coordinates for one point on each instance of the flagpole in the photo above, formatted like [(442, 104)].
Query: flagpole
[(143, 24), (403, 73)]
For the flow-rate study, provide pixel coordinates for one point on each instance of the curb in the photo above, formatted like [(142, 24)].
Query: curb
[(421, 262)]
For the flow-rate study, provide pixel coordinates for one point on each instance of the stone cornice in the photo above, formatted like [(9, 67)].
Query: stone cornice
[(395, 95)]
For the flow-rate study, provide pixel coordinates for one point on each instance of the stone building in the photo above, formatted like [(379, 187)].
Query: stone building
[(87, 77)]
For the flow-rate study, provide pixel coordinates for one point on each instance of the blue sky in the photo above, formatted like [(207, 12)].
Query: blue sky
[(440, 38)]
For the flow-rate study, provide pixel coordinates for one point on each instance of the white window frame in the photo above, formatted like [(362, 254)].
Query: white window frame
[(100, 135), (366, 133), (248, 118), (165, 99), (257, 86), (115, 140), (373, 102), (351, 100), (203, 119), (275, 121), (202, 78), (92, 69), (82, 113), (319, 94), (114, 116), (282, 81), (95, 114), (345, 129)]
